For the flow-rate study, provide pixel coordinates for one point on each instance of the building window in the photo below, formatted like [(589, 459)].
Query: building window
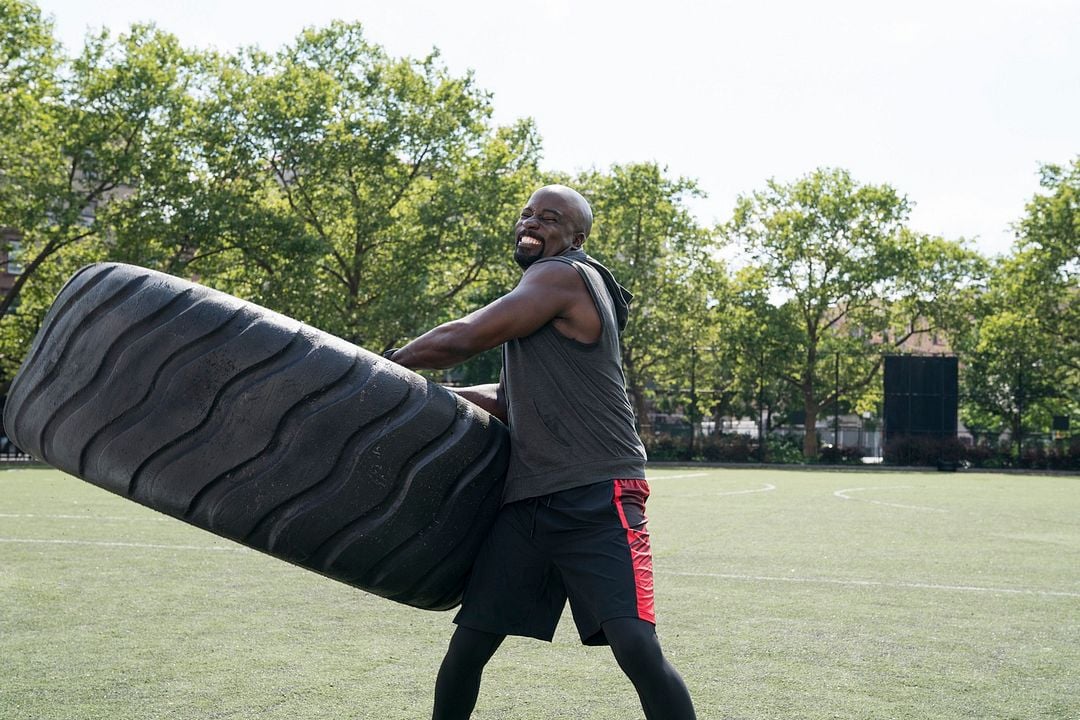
[(12, 264)]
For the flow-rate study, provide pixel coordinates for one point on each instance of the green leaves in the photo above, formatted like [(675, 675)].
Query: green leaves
[(1022, 355), (372, 196), (854, 280), (365, 194), (362, 148), (82, 138), (646, 235), (28, 52)]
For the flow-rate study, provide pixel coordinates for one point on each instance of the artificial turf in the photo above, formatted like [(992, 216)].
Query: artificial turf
[(792, 594)]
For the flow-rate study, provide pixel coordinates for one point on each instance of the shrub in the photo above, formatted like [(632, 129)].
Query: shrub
[(841, 455), (1032, 456), (924, 451), (1062, 455), (985, 455), (1057, 456), (728, 448), (785, 449), (665, 446)]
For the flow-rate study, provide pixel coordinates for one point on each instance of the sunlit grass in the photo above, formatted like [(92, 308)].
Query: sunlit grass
[(781, 594)]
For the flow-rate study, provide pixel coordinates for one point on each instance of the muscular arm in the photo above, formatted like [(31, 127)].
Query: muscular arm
[(547, 291), (488, 397)]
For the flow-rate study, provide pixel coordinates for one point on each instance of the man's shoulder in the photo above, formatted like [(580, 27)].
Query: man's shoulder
[(552, 269), (565, 276), (554, 261)]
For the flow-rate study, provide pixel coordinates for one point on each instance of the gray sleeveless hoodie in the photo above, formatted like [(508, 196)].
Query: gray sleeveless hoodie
[(571, 423)]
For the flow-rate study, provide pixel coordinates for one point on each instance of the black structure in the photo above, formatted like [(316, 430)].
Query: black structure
[(920, 396)]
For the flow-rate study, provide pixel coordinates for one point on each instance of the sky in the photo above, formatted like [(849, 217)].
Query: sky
[(955, 103)]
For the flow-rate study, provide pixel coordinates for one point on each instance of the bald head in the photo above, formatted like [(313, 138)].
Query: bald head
[(582, 212), (556, 219)]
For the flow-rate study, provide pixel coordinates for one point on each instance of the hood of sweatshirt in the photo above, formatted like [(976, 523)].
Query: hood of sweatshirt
[(620, 296)]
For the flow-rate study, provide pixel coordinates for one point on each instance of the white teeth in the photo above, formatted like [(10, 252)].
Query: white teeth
[(529, 241)]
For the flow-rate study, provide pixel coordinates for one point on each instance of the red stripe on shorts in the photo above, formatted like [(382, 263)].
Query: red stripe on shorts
[(634, 493)]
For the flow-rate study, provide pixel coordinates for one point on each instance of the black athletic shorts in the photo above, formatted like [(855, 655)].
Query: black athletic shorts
[(589, 544)]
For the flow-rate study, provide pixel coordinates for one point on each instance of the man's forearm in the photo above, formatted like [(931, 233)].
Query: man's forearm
[(441, 348), (488, 397), (437, 349)]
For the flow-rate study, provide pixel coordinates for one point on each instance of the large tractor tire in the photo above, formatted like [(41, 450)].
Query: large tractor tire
[(263, 430)]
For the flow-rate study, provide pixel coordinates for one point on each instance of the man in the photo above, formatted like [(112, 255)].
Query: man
[(572, 524)]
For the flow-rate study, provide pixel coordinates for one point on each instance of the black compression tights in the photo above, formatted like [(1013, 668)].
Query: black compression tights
[(659, 686), (458, 682), (661, 690)]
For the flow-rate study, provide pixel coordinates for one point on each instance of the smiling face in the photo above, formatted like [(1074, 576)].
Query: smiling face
[(555, 220)]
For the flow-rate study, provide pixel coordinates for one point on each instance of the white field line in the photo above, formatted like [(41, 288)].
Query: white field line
[(682, 475), (720, 576), (766, 488), (82, 517), (97, 543), (877, 583), (843, 495)]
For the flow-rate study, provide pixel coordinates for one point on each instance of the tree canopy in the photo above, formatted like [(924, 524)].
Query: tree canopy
[(373, 197), (853, 281), (367, 195), (1021, 352)]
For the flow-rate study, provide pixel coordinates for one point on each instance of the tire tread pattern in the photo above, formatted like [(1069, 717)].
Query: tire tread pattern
[(261, 429)]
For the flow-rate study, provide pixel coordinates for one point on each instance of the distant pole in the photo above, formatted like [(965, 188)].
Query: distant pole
[(836, 405), (1019, 413), (761, 407), (693, 397)]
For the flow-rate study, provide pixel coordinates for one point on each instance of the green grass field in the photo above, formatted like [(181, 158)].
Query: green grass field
[(782, 594)]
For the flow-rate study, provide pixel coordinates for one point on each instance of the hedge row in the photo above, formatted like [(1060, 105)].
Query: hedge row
[(947, 453)]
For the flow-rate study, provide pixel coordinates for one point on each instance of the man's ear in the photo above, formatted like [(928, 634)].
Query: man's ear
[(579, 239)]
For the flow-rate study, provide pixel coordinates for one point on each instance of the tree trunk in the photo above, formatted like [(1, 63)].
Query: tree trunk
[(9, 300), (810, 443)]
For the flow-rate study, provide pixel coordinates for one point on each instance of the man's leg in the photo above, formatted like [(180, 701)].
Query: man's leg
[(661, 689), (458, 683)]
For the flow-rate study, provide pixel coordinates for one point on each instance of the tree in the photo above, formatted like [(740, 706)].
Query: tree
[(471, 220), (29, 59), (754, 335), (29, 96), (85, 133), (1021, 354), (364, 194), (851, 281), (212, 210), (651, 242), (372, 156), (1047, 264), (468, 221)]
